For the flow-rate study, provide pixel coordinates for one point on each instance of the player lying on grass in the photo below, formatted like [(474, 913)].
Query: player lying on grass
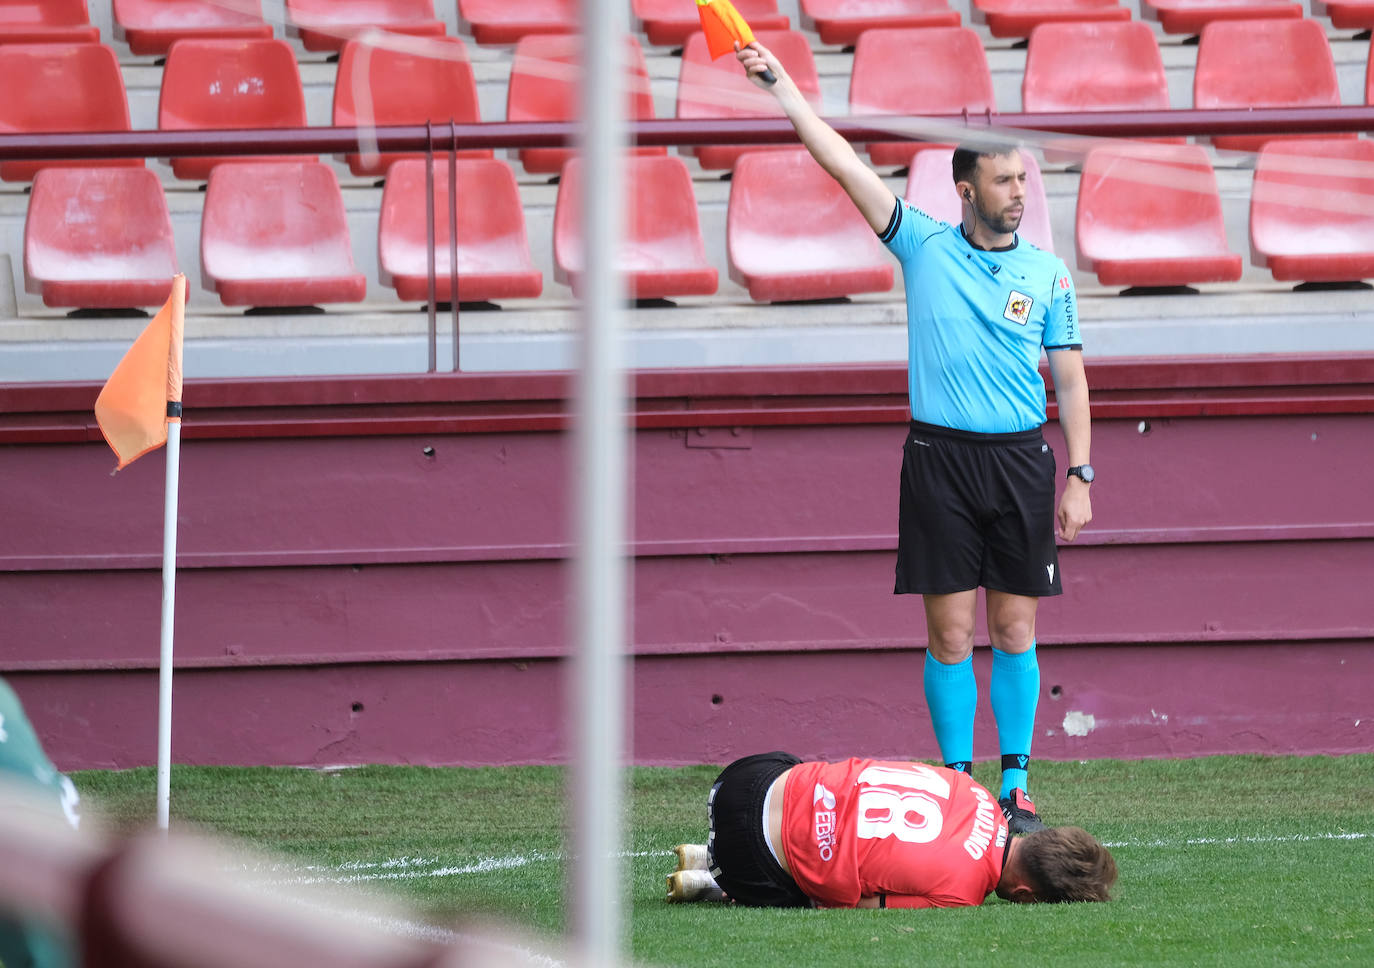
[(873, 833)]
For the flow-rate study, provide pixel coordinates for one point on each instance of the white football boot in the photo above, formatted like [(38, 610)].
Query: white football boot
[(692, 857), (693, 885)]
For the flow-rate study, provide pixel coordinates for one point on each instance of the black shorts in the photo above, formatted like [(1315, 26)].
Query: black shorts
[(741, 862), (976, 509)]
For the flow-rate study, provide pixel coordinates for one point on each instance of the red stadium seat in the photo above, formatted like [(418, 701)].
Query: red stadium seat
[(841, 21), (1312, 210), (545, 86), (719, 89), (791, 233), (326, 24), (671, 22), (46, 22), (1263, 64), (954, 77), (276, 234), (1150, 215), (662, 254), (60, 88), (414, 81), (98, 238), (1089, 66), (1346, 14), (930, 187), (1093, 66), (1017, 18), (229, 84), (1190, 16), (493, 250), (506, 21), (151, 26)]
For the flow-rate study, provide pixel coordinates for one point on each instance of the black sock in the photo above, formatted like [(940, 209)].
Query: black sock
[(1014, 776)]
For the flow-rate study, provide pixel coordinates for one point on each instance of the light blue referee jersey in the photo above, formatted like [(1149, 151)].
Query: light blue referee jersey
[(976, 321)]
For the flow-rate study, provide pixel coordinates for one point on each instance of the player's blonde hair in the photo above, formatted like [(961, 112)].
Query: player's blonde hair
[(1067, 864)]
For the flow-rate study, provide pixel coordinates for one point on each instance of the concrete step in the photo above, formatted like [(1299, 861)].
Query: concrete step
[(1216, 320)]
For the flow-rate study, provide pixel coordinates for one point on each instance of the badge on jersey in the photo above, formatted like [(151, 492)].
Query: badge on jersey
[(1018, 307)]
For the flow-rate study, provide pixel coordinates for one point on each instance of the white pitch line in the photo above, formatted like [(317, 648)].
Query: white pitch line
[(338, 874), (358, 865), (483, 866), (1226, 841)]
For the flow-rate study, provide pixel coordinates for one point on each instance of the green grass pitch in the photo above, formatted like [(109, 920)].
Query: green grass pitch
[(1224, 861)]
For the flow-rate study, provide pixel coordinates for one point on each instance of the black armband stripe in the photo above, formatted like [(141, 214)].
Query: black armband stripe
[(1066, 346), (894, 223)]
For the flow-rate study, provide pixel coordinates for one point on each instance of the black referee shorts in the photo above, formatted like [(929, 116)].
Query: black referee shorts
[(976, 509), (741, 862)]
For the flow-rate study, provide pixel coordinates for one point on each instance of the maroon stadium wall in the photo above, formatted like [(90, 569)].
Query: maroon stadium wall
[(374, 569)]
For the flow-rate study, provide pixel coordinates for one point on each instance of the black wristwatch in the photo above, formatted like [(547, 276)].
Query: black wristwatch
[(1084, 472)]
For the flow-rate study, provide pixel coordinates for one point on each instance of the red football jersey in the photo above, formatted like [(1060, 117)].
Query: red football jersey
[(924, 836)]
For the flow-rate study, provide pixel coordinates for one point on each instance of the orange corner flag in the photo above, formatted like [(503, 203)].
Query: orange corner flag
[(133, 408), (723, 26)]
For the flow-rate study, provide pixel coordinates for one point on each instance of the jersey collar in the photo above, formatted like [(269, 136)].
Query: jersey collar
[(1015, 240)]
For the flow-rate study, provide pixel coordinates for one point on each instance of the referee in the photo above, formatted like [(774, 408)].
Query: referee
[(978, 480)]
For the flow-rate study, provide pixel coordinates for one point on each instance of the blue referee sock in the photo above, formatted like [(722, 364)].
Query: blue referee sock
[(952, 696), (1015, 690)]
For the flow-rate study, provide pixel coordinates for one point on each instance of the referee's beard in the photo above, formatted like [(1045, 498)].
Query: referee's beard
[(1005, 222)]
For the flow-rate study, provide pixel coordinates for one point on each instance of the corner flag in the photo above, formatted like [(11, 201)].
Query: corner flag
[(144, 392), (139, 410)]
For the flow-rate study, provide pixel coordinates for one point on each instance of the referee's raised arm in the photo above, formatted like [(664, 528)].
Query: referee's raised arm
[(873, 198)]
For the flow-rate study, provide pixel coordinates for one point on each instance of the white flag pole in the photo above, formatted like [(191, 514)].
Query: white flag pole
[(169, 580)]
